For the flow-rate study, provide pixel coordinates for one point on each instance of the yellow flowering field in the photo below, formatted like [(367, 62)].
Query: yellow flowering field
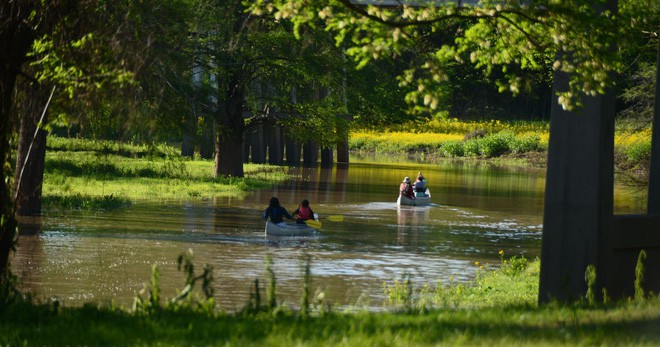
[(631, 138), (433, 135), (447, 137)]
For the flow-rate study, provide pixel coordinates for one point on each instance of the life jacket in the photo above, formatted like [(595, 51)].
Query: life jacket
[(304, 213), (407, 190)]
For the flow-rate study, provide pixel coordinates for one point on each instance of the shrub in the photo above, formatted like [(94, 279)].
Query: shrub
[(495, 145), (640, 151), (472, 147), (526, 143), (453, 149)]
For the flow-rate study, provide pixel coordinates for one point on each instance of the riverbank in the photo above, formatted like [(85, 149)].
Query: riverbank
[(92, 174), (517, 142), (498, 308)]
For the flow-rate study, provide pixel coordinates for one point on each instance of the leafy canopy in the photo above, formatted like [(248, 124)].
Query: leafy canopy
[(577, 37)]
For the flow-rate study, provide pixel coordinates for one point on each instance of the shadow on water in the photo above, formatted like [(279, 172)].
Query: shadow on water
[(477, 210)]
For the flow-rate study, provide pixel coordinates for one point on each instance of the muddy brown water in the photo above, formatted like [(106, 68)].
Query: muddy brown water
[(477, 210)]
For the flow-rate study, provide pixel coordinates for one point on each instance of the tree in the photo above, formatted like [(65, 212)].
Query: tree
[(16, 35), (239, 49), (579, 39), (53, 38), (493, 36)]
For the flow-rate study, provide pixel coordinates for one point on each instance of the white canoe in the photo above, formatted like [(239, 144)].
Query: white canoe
[(289, 229), (418, 201)]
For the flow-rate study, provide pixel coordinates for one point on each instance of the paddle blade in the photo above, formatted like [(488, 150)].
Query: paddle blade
[(336, 218), (313, 223)]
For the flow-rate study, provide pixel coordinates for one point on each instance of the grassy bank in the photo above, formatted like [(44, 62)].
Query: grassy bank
[(623, 325), (493, 139), (83, 173), (497, 308), (454, 138)]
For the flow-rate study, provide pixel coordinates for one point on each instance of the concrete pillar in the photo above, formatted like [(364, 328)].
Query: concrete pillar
[(247, 143), (189, 134), (578, 213), (258, 144), (631, 235), (310, 154), (275, 146), (207, 144), (327, 156), (292, 150), (342, 143)]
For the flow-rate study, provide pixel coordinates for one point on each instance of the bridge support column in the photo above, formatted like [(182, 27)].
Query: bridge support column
[(310, 154), (632, 234), (578, 213), (342, 143), (275, 146), (247, 143), (258, 144), (292, 150), (326, 157), (207, 144)]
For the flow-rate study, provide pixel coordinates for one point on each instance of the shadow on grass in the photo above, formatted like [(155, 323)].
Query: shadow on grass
[(90, 325)]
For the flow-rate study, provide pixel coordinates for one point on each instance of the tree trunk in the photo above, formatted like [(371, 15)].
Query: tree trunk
[(7, 218), (16, 37), (31, 154), (230, 128)]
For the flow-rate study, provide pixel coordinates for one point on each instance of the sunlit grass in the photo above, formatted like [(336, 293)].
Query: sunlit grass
[(497, 309), (128, 149), (85, 171), (140, 188)]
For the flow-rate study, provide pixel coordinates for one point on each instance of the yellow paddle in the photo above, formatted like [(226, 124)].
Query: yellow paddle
[(336, 218), (313, 223)]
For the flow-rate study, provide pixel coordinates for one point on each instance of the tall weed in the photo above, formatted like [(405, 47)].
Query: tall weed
[(640, 274)]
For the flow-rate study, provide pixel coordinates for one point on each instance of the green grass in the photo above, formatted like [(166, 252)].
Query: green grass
[(489, 311), (627, 324), (88, 174)]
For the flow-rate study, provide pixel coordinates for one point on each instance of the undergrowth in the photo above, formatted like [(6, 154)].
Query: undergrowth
[(485, 312)]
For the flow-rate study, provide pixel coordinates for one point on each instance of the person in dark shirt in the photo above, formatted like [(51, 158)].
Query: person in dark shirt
[(276, 212), (420, 186)]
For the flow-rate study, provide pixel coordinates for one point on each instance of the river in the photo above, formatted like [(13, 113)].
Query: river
[(477, 210)]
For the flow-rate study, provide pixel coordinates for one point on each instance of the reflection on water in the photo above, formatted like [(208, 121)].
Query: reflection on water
[(477, 210)]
